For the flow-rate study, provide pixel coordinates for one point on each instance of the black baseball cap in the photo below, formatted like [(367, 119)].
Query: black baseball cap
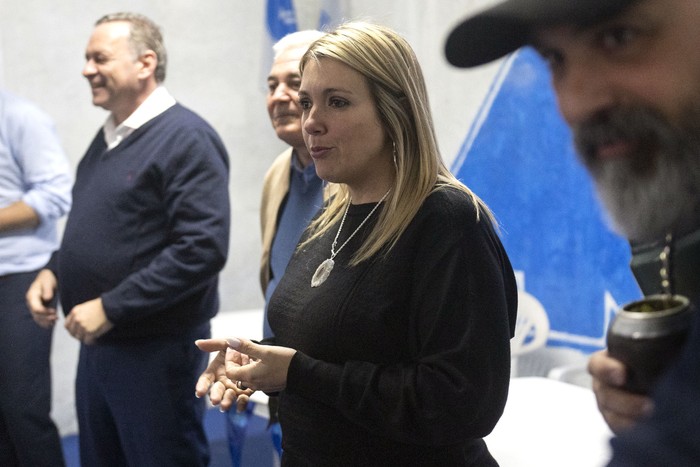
[(506, 26)]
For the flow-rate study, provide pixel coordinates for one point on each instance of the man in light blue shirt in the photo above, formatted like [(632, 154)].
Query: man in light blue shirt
[(292, 192), (35, 191)]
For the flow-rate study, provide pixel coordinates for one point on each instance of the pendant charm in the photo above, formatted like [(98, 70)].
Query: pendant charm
[(322, 272)]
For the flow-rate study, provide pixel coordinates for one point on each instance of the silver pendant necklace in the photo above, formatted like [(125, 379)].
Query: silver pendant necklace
[(324, 269)]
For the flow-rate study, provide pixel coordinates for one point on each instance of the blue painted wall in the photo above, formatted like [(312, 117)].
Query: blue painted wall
[(518, 157)]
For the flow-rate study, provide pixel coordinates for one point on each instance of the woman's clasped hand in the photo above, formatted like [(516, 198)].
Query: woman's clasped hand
[(239, 368)]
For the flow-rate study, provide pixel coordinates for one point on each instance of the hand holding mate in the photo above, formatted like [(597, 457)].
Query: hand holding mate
[(620, 408)]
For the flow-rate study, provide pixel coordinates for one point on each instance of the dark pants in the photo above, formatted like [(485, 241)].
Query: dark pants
[(136, 404), (28, 436)]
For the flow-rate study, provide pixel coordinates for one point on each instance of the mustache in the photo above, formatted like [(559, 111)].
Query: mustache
[(645, 128), (656, 187)]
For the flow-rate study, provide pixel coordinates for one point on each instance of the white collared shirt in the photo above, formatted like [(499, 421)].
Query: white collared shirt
[(155, 104)]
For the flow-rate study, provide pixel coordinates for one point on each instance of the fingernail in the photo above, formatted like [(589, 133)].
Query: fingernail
[(233, 342), (196, 395)]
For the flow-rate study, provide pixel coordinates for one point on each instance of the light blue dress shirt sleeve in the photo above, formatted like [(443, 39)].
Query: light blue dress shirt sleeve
[(33, 169)]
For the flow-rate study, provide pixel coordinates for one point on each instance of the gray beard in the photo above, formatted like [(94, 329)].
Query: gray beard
[(645, 210), (657, 190)]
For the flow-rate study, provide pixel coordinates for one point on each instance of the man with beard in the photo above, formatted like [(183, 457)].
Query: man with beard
[(626, 74)]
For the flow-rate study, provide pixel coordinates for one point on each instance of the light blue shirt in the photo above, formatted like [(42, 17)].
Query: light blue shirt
[(304, 199), (33, 169)]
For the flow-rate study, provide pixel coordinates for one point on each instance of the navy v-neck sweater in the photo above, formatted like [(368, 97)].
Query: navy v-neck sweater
[(149, 227)]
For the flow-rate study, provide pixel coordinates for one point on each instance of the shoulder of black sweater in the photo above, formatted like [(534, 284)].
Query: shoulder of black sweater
[(449, 202)]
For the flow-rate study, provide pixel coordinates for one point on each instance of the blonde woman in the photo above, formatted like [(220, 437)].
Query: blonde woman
[(392, 321)]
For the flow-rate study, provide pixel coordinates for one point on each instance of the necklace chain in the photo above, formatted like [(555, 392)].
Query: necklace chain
[(324, 269), (342, 222)]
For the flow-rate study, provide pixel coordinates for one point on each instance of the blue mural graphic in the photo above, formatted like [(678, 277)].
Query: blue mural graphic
[(518, 157), (281, 18)]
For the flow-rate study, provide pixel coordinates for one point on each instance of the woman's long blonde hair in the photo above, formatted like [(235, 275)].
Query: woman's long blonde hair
[(396, 83)]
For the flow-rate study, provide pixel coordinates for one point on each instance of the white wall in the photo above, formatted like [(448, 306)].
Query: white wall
[(218, 59)]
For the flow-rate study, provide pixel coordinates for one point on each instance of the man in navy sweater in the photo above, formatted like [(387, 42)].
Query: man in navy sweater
[(627, 78), (138, 266)]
